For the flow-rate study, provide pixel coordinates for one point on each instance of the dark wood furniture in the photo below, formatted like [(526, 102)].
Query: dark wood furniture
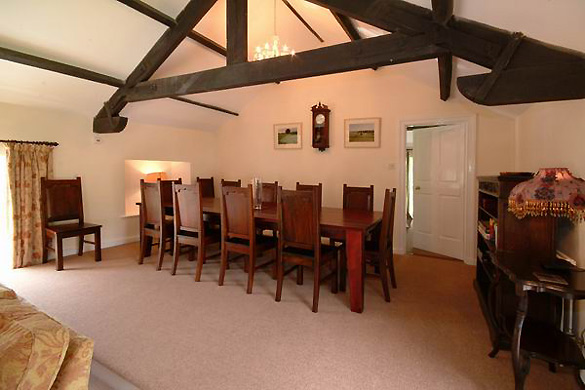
[(238, 231), (61, 201), (207, 187), (190, 228), (299, 240), (310, 187), (269, 192), (154, 223), (537, 339), (231, 183), (320, 126), (358, 198), (352, 226)]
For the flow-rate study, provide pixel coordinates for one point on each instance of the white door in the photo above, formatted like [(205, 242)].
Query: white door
[(439, 190)]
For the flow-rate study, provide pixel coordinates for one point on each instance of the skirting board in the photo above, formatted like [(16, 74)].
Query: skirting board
[(103, 375)]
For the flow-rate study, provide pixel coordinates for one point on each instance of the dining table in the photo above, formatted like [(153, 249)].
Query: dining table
[(345, 225)]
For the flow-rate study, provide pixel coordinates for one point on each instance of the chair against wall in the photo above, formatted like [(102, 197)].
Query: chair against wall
[(206, 187), (358, 198), (300, 240), (269, 192), (308, 187), (61, 201), (238, 231), (154, 224), (190, 229), (231, 183)]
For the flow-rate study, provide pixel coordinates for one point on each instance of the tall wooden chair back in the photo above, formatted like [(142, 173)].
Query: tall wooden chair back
[(269, 192), (387, 230), (358, 198), (298, 219), (61, 200), (206, 187), (231, 183), (166, 190), (187, 206), (317, 187), (151, 203), (237, 213)]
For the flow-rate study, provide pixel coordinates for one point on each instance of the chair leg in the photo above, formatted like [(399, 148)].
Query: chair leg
[(224, 260), (59, 253), (391, 268), (192, 253), (316, 284), (176, 254), (97, 237), (279, 278), (161, 251), (143, 245), (384, 278), (149, 240), (80, 245), (251, 271), (300, 272), (45, 249), (333, 265), (200, 261), (342, 270)]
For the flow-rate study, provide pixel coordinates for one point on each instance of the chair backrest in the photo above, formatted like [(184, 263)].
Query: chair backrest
[(61, 200), (206, 187), (151, 202), (166, 189), (358, 198), (298, 219), (188, 208), (237, 213), (387, 231), (318, 187), (269, 192), (231, 183)]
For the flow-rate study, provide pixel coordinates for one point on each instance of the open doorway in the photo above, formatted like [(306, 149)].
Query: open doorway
[(435, 215), (5, 215)]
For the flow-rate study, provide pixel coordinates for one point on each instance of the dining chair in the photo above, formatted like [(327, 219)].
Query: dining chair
[(61, 201), (154, 224), (379, 251), (318, 187), (238, 232), (358, 198), (190, 228), (206, 186), (231, 183), (269, 192), (300, 240)]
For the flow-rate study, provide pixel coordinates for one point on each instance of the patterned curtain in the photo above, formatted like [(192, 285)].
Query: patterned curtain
[(27, 163)]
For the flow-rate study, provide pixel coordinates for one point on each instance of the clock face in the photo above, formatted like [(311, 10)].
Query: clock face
[(320, 119)]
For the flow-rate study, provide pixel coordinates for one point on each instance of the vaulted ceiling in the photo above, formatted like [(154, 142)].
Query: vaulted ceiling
[(108, 37)]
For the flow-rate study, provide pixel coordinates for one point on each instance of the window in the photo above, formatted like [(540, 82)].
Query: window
[(5, 214)]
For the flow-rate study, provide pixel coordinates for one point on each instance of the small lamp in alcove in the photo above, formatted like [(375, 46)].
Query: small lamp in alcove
[(552, 192), (153, 177)]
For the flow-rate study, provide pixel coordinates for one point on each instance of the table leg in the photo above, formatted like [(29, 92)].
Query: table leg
[(354, 241), (520, 362)]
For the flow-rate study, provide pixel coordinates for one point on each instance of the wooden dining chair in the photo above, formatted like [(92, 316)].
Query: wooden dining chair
[(206, 187), (238, 232), (231, 183), (190, 228), (269, 192), (300, 240), (154, 223), (307, 187), (61, 201), (358, 198)]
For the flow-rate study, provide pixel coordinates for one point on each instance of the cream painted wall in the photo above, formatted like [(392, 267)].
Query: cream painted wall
[(101, 166), (394, 94)]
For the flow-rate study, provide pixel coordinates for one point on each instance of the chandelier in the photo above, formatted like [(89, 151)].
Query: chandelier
[(271, 50)]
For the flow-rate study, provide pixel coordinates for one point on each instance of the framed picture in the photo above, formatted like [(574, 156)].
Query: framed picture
[(362, 133), (288, 136)]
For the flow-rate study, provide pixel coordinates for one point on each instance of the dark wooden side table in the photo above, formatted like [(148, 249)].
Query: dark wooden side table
[(535, 339)]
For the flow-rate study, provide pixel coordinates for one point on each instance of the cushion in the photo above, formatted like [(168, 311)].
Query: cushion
[(74, 372), (6, 293), (32, 349)]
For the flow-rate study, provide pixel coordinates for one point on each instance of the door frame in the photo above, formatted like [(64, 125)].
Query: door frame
[(470, 208)]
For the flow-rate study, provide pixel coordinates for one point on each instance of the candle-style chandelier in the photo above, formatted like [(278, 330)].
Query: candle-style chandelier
[(271, 50)]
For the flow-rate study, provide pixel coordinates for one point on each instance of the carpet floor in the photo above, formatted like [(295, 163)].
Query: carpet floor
[(168, 332)]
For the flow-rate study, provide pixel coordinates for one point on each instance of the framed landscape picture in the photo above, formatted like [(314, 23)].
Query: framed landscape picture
[(362, 133), (288, 136)]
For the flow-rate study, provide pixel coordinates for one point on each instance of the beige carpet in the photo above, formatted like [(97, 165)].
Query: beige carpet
[(164, 332)]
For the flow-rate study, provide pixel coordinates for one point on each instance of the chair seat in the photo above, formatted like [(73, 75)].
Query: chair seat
[(211, 235), (262, 242), (326, 250), (73, 227)]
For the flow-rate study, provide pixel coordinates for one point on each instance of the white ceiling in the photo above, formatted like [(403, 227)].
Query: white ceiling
[(110, 38)]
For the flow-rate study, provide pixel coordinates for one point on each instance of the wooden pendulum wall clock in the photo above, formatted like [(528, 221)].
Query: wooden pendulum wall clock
[(320, 126)]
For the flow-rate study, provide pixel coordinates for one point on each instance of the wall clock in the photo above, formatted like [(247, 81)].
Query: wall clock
[(320, 126)]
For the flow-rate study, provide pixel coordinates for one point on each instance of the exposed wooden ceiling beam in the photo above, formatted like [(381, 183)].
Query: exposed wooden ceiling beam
[(193, 12), (237, 31), (85, 74), (442, 13), (345, 23), (303, 21), (365, 53), (160, 17)]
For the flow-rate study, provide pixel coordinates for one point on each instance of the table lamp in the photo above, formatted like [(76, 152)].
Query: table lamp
[(153, 177)]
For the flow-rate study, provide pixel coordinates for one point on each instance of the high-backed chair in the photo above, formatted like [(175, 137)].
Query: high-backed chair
[(358, 198), (300, 240), (61, 201), (307, 187), (231, 183), (190, 229), (206, 187), (238, 231), (269, 192), (154, 224)]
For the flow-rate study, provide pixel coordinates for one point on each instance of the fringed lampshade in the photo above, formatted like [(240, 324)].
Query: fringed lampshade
[(553, 191)]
